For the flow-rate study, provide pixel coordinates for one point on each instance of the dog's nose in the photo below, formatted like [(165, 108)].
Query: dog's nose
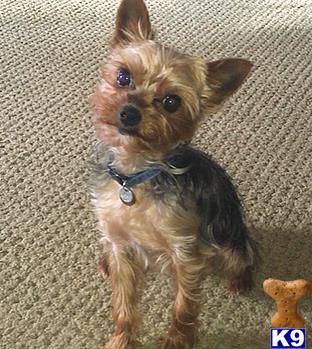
[(130, 116)]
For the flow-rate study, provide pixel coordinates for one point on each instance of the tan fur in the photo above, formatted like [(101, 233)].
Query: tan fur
[(172, 73), (147, 233), (154, 232)]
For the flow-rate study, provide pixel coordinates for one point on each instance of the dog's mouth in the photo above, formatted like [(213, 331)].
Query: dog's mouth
[(108, 123), (123, 130), (128, 131)]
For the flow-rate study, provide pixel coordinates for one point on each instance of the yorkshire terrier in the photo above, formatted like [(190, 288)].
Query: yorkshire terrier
[(158, 200)]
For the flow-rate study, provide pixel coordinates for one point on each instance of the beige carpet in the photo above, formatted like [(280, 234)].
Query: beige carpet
[(50, 292)]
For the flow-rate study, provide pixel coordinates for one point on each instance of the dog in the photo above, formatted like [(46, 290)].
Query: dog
[(159, 201)]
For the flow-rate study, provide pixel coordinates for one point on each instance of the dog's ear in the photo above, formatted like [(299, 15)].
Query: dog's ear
[(225, 76), (132, 23)]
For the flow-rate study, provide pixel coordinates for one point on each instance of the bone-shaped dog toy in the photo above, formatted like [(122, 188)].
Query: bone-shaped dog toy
[(287, 294)]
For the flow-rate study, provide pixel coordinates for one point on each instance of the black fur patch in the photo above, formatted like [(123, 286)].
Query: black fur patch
[(222, 222)]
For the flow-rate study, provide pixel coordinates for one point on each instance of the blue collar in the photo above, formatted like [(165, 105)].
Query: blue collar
[(134, 179), (126, 183)]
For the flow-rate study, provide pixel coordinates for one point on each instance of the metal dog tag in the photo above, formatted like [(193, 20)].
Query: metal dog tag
[(126, 195)]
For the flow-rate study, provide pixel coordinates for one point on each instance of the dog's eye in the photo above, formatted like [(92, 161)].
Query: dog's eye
[(123, 77), (171, 103)]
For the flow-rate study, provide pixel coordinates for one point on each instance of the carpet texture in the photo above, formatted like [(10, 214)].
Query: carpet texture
[(50, 292)]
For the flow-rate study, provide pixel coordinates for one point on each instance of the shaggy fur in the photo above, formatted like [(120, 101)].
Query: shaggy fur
[(190, 211)]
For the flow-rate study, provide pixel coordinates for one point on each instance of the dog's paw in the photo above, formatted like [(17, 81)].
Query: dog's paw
[(127, 346), (176, 341), (241, 283), (122, 342)]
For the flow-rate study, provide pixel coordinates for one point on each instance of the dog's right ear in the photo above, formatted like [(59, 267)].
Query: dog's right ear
[(225, 76), (132, 23)]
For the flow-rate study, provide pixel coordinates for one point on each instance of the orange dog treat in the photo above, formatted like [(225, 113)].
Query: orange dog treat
[(286, 294)]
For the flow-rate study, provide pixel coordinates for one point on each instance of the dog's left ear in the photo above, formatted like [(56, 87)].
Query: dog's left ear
[(132, 22), (225, 76)]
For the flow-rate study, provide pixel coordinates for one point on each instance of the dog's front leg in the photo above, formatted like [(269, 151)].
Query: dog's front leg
[(125, 274), (187, 278)]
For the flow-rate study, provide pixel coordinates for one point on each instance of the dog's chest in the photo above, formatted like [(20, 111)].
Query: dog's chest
[(142, 223)]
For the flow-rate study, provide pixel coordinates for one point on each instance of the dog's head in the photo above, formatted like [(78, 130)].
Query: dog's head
[(151, 97)]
